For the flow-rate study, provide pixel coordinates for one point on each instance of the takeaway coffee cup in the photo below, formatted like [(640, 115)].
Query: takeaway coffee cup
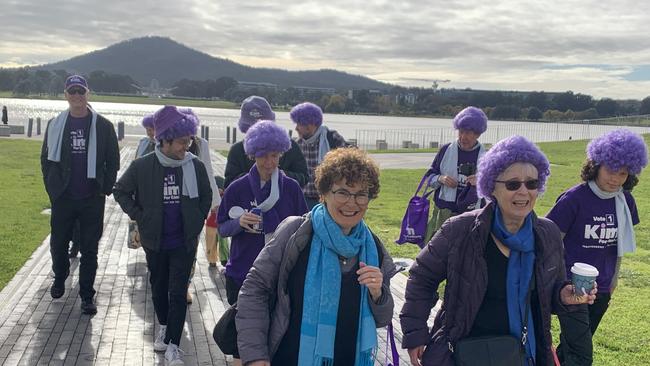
[(583, 277)]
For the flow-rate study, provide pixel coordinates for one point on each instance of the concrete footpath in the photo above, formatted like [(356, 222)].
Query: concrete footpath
[(37, 330)]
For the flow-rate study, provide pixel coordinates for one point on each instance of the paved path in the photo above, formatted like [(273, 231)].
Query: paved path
[(37, 330)]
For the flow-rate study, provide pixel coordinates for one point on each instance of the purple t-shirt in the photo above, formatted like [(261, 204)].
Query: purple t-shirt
[(466, 160), (80, 186), (172, 229), (591, 229)]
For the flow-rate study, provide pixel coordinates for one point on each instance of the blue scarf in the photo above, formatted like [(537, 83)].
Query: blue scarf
[(323, 287), (520, 270)]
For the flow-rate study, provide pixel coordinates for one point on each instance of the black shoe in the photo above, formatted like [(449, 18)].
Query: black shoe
[(88, 307), (57, 290)]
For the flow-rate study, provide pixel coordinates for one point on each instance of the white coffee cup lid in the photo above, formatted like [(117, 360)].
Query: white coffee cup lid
[(235, 212), (584, 269)]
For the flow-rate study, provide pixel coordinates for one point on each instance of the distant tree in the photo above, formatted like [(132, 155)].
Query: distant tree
[(569, 115), (506, 112), (538, 100), (336, 104), (582, 102), (553, 115), (22, 89), (607, 107), (587, 114), (534, 114), (645, 106)]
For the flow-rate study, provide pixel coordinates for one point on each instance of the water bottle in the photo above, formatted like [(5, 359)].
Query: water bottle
[(257, 227)]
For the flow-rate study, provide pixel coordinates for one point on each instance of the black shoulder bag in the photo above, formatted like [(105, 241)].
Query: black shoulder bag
[(503, 350), (225, 332)]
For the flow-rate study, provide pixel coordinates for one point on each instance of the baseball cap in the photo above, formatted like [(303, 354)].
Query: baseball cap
[(76, 80)]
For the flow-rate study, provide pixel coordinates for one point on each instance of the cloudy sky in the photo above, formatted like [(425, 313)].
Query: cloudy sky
[(601, 48)]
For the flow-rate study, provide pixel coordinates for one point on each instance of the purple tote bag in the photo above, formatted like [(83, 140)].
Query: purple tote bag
[(414, 223)]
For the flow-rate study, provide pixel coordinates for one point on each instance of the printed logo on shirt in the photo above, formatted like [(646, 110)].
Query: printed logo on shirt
[(601, 234), (171, 190), (78, 141)]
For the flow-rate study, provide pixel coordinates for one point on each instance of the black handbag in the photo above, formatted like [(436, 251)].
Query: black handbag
[(503, 350), (225, 332)]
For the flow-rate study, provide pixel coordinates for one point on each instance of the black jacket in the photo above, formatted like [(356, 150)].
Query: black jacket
[(140, 194), (292, 163), (56, 176)]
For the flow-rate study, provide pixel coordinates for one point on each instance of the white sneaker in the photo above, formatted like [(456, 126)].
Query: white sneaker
[(159, 344), (174, 355)]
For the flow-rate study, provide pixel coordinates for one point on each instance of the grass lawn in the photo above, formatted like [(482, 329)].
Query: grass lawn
[(22, 198), (143, 100), (622, 335), (625, 330)]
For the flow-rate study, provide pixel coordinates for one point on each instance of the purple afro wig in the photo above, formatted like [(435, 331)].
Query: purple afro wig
[(514, 149), (170, 123), (617, 149), (189, 114), (307, 114), (254, 109), (147, 121), (471, 118), (265, 137)]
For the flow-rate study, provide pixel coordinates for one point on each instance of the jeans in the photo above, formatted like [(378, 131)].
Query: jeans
[(169, 273), (89, 212)]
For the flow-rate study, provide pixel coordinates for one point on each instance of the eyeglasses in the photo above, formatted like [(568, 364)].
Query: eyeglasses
[(80, 91), (513, 185), (343, 196), (185, 142)]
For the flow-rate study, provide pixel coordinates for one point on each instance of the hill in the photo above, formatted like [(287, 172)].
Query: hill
[(168, 61)]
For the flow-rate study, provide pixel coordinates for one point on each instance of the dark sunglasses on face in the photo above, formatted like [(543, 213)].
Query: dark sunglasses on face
[(513, 185), (80, 91)]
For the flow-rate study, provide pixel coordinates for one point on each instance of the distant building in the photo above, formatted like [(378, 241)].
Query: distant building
[(307, 89), (247, 85), (406, 98)]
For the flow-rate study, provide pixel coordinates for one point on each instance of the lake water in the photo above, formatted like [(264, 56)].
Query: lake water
[(366, 129)]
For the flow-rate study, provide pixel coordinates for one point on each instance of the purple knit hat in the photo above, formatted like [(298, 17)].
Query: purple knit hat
[(471, 118), (514, 149), (147, 121), (265, 137), (617, 149), (254, 109), (189, 113), (307, 114), (170, 123)]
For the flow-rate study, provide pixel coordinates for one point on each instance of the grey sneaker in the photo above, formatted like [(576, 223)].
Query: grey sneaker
[(159, 344), (174, 355)]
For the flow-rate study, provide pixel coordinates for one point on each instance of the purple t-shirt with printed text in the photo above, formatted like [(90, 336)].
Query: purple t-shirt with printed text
[(80, 186), (591, 229), (467, 159), (172, 229)]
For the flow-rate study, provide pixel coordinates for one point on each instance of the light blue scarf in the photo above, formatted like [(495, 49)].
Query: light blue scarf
[(323, 287), (520, 270), (55, 140), (190, 187), (323, 144)]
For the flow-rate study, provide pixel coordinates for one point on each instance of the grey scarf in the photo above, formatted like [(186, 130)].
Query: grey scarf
[(626, 237), (55, 140), (323, 144), (449, 166), (190, 187)]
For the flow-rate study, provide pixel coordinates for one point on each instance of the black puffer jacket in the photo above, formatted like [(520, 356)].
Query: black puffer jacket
[(457, 254)]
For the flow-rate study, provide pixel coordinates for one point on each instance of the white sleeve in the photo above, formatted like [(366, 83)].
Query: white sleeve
[(204, 156)]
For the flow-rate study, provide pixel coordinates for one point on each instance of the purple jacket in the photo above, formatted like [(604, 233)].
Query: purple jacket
[(457, 254)]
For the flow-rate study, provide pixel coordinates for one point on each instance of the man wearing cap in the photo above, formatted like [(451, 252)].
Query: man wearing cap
[(315, 140), (292, 162), (79, 160), (453, 171), (168, 194)]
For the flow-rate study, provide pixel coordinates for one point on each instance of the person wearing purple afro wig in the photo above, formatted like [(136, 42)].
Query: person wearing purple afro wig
[(148, 143), (292, 162), (597, 218), (453, 170), (168, 194), (254, 205), (315, 140), (491, 258)]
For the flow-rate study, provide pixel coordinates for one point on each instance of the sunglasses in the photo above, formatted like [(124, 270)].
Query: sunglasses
[(80, 91), (513, 185)]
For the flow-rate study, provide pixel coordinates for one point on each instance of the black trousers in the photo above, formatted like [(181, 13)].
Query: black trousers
[(577, 329), (89, 212), (169, 271)]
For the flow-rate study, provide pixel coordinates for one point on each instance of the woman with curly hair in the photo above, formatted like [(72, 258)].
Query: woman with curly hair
[(596, 218), (319, 289), (503, 265)]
